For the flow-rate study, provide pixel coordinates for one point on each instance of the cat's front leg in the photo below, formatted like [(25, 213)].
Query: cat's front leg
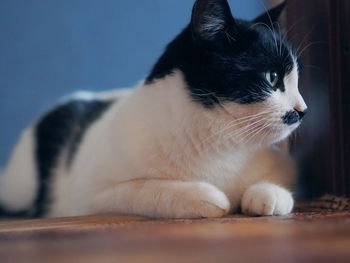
[(162, 199), (267, 199)]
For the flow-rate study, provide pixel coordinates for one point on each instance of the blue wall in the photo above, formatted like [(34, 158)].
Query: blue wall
[(49, 48)]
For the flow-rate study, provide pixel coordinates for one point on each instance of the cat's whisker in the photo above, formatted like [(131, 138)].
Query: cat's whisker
[(218, 100), (258, 131), (250, 127), (229, 37), (246, 139), (275, 128), (255, 115), (272, 33), (247, 129), (243, 120), (263, 132), (280, 42), (247, 118), (270, 123), (235, 123), (202, 94), (263, 137), (304, 39), (235, 135), (271, 23), (310, 45), (293, 26)]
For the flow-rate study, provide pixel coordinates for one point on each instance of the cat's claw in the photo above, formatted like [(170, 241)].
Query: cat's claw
[(267, 199)]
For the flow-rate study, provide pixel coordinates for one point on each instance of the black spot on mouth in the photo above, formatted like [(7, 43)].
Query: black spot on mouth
[(291, 118)]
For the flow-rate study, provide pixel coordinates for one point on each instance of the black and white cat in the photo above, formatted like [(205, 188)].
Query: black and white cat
[(195, 139)]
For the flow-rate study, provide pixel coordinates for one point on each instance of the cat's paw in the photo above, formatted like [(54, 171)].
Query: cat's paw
[(267, 199), (203, 200)]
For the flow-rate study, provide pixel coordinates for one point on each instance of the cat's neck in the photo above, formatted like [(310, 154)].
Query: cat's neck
[(159, 125), (186, 127)]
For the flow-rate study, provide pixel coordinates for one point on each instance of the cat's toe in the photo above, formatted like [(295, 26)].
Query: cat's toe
[(267, 199)]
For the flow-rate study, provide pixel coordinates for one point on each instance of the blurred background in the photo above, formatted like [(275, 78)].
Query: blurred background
[(50, 48)]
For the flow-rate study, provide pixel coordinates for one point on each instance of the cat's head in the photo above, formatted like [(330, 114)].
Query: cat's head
[(245, 72)]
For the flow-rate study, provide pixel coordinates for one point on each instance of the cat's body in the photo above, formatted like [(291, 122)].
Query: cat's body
[(170, 148)]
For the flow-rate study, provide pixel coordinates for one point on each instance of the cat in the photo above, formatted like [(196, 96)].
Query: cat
[(196, 139)]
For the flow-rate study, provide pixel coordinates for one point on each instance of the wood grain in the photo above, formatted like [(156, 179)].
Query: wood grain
[(302, 237)]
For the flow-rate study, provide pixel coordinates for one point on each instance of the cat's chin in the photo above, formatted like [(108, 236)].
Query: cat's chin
[(274, 136), (286, 132)]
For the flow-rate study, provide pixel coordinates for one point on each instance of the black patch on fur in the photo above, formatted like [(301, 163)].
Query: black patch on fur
[(291, 117), (5, 213), (63, 127), (226, 61)]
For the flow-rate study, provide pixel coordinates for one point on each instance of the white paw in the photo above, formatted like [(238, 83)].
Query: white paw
[(267, 199), (203, 200)]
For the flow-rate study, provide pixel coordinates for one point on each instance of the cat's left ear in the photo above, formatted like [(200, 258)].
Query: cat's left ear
[(211, 20), (271, 17)]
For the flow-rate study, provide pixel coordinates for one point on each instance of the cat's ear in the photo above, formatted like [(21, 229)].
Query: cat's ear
[(211, 19), (271, 17)]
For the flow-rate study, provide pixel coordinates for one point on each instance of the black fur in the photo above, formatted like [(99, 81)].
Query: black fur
[(291, 118), (5, 213), (63, 127), (226, 61)]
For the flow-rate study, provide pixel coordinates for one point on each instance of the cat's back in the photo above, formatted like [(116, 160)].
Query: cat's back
[(63, 128), (48, 144)]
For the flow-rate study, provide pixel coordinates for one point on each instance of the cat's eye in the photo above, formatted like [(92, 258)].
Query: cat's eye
[(272, 78)]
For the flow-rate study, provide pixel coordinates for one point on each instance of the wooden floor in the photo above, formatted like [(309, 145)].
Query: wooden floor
[(301, 237)]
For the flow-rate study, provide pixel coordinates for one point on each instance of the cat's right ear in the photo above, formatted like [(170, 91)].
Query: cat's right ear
[(212, 20)]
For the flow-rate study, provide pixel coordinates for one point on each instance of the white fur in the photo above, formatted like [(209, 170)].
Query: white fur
[(156, 153), (18, 184), (267, 199)]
